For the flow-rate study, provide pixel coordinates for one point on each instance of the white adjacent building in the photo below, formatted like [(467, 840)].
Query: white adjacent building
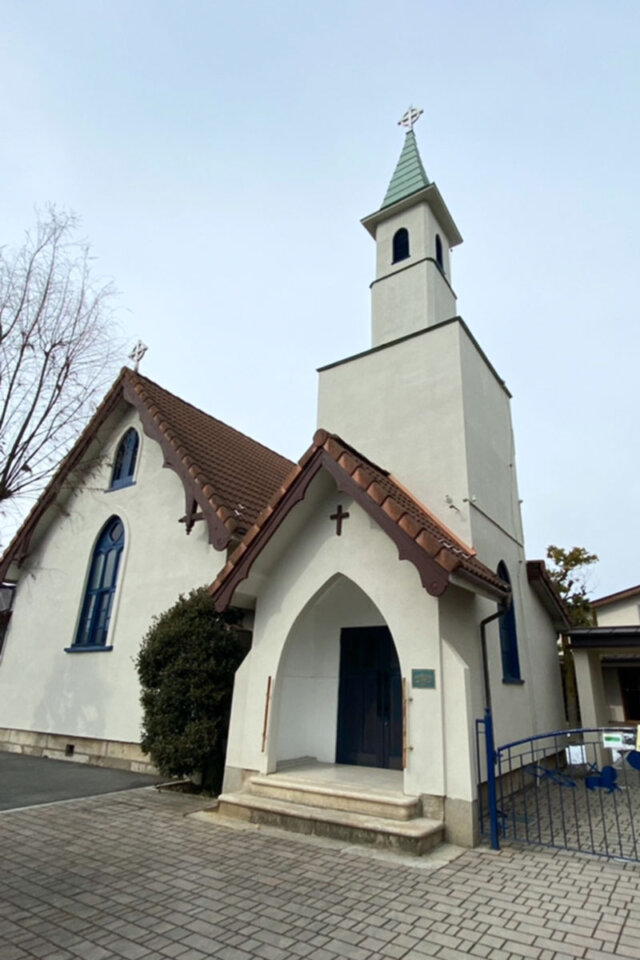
[(607, 661)]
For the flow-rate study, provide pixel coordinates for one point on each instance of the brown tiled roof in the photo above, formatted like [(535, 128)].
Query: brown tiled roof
[(229, 475), (237, 474), (420, 537)]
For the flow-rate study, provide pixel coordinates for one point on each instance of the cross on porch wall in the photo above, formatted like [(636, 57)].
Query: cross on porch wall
[(339, 516)]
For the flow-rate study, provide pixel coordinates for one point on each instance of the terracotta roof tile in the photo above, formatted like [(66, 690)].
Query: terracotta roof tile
[(380, 489), (235, 472)]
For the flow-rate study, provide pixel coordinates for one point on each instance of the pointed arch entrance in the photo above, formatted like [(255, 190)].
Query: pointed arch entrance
[(339, 688)]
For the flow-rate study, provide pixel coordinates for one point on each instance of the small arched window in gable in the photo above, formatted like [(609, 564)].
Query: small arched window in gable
[(97, 603), (439, 255), (124, 465), (400, 245), (508, 634)]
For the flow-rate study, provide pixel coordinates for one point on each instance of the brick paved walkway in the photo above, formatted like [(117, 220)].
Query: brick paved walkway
[(128, 876)]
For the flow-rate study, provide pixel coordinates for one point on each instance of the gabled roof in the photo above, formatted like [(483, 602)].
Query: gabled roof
[(433, 549), (627, 594), (409, 175), (228, 475)]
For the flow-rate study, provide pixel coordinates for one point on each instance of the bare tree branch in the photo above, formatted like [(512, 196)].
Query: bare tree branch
[(57, 351)]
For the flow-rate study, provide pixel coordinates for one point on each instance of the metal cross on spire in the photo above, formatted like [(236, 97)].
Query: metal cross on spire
[(410, 118), (137, 354)]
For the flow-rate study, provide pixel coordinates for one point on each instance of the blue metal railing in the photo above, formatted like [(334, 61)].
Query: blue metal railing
[(570, 789)]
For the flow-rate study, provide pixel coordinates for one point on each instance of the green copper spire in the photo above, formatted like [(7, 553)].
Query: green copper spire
[(409, 175)]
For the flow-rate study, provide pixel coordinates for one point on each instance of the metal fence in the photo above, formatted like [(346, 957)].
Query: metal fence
[(571, 789)]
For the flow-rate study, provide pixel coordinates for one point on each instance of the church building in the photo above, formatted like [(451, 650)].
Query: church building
[(372, 570), (384, 575)]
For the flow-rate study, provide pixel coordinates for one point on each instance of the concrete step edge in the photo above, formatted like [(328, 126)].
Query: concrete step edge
[(309, 786), (349, 802), (417, 828)]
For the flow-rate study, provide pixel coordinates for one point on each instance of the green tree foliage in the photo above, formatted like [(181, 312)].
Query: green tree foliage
[(569, 571), (186, 667)]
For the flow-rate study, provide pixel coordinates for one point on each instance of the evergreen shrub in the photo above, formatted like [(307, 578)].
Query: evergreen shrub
[(186, 667)]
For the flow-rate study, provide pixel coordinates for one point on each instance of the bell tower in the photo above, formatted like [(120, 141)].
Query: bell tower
[(414, 233), (424, 401)]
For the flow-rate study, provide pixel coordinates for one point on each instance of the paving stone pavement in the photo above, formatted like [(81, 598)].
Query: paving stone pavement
[(130, 876)]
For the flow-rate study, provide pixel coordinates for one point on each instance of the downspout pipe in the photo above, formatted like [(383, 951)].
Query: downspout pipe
[(488, 732), (485, 659)]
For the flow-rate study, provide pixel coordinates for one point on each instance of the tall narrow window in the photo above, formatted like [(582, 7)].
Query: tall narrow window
[(400, 245), (101, 587), (508, 634), (124, 465), (439, 256)]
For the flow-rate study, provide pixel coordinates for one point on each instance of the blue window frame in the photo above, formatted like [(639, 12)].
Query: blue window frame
[(508, 634), (400, 245), (124, 465), (101, 587)]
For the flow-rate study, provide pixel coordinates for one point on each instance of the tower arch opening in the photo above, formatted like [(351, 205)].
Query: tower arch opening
[(400, 245), (439, 254)]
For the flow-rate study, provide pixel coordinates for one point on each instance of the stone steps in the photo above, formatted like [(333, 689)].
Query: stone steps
[(416, 836), (373, 802)]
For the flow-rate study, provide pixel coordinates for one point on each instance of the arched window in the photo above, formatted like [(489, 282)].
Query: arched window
[(508, 634), (124, 465), (400, 245), (101, 587), (439, 257)]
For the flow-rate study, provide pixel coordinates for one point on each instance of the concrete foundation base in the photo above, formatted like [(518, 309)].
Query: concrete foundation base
[(99, 753)]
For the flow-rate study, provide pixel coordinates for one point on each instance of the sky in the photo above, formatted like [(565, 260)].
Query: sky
[(220, 157)]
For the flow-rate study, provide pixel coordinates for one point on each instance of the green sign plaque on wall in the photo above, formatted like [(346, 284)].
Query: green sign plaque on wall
[(423, 679)]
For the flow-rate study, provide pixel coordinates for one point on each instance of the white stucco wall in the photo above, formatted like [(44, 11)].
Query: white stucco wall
[(95, 694), (490, 449), (410, 295), (594, 708), (622, 613), (613, 694), (296, 605), (409, 300), (402, 406)]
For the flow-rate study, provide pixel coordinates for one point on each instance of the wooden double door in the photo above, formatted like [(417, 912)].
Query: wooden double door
[(369, 699)]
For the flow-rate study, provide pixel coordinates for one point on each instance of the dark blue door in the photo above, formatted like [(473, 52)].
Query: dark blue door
[(369, 699)]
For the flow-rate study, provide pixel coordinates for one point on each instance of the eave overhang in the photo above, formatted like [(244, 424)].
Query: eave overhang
[(220, 522), (605, 639), (543, 587), (429, 195)]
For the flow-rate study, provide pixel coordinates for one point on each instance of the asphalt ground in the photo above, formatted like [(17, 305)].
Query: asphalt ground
[(27, 781)]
